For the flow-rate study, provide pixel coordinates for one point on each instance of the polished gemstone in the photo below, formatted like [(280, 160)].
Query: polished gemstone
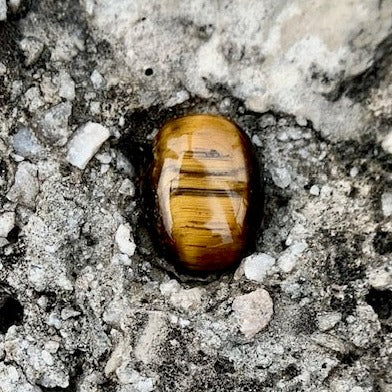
[(206, 186)]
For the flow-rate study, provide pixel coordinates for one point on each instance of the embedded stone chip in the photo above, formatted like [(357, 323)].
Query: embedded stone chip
[(258, 266), (7, 223), (253, 311), (26, 186), (85, 144), (3, 10)]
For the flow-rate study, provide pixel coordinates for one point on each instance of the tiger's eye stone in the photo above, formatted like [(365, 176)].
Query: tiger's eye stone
[(203, 175)]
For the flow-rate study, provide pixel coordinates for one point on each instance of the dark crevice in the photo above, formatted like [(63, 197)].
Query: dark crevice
[(11, 310), (381, 302), (13, 235), (382, 242)]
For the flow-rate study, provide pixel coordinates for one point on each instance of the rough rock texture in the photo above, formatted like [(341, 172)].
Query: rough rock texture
[(87, 303)]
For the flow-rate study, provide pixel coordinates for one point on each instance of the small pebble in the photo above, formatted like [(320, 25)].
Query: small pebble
[(354, 172), (314, 190), (387, 143), (268, 120), (97, 80), (257, 266), (95, 107), (7, 223), (187, 299), (381, 278), (256, 141), (32, 49), (123, 164), (170, 287), (85, 143), (3, 10), (68, 313), (52, 346), (281, 177), (104, 158), (26, 186), (25, 143), (288, 260), (53, 125), (3, 69), (47, 357), (33, 97), (54, 321), (327, 321), (67, 86), (253, 311), (127, 188), (123, 240), (386, 204), (178, 98), (301, 121)]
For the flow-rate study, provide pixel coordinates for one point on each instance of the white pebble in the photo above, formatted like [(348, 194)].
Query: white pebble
[(354, 172), (25, 143), (95, 107), (97, 79), (85, 143), (54, 321), (127, 188), (301, 121), (179, 97), (121, 259), (47, 357), (68, 313), (381, 278), (52, 346), (253, 311), (67, 86), (257, 266), (314, 190), (256, 141), (3, 69), (104, 158), (3, 243), (123, 240), (188, 299), (326, 191), (386, 204), (288, 260), (170, 287), (387, 143), (327, 321), (32, 95), (7, 223), (3, 10), (281, 177)]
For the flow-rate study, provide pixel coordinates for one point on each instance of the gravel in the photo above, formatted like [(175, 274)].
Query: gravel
[(88, 300)]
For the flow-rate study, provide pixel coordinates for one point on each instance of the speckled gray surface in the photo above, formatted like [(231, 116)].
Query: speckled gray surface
[(86, 302)]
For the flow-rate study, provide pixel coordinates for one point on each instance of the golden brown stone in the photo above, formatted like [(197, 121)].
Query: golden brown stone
[(204, 178)]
